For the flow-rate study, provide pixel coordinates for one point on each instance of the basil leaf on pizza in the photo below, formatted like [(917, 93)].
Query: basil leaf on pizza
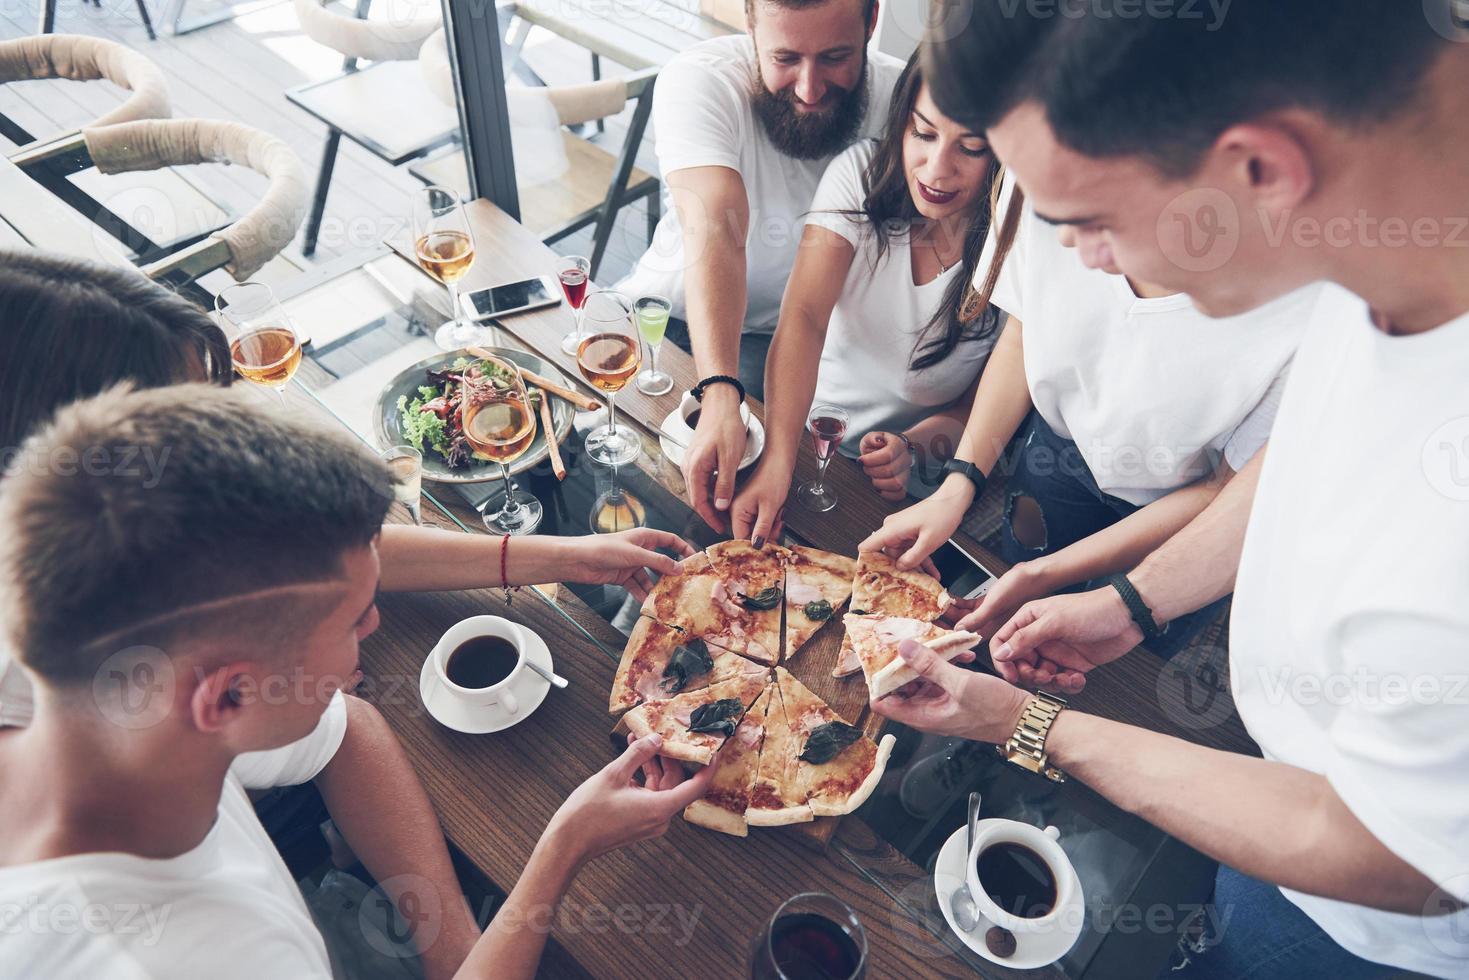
[(687, 662), (764, 599), (818, 610), (717, 717), (828, 740)]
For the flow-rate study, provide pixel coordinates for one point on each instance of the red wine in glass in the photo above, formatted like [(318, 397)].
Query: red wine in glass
[(574, 285), (828, 424), (811, 937), (574, 272)]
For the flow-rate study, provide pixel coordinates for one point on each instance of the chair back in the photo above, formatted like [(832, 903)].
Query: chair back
[(396, 37), (82, 58)]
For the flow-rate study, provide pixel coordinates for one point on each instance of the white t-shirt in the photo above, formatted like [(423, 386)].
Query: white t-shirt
[(878, 319), (702, 117), (1150, 390), (228, 909), (1349, 643)]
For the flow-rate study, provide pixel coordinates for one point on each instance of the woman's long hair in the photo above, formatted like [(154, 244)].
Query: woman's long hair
[(962, 316), (70, 329)]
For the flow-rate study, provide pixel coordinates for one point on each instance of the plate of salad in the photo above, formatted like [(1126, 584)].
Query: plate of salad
[(420, 408)]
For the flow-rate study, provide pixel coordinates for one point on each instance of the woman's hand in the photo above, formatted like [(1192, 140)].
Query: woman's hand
[(611, 809), (914, 533), (886, 461), (757, 514), (1058, 641), (624, 558), (1024, 581)]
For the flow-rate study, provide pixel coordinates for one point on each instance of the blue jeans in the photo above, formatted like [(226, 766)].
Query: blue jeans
[(1049, 471), (1255, 933)]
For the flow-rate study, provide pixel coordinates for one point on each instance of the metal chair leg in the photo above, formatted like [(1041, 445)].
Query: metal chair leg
[(655, 212), (323, 183), (147, 21), (597, 77)]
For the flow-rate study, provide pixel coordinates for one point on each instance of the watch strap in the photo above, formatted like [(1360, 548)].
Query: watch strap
[(1141, 614), (1026, 748), (969, 471)]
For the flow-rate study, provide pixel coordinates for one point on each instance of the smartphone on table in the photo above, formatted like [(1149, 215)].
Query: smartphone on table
[(510, 298)]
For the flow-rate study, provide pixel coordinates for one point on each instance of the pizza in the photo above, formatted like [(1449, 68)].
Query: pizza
[(818, 583), (881, 587), (694, 725), (749, 589), (723, 807), (661, 661), (837, 767), (775, 800), (875, 638)]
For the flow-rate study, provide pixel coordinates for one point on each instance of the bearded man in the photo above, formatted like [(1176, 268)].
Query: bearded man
[(745, 128)]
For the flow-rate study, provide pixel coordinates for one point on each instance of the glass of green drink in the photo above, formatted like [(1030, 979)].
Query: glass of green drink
[(651, 313)]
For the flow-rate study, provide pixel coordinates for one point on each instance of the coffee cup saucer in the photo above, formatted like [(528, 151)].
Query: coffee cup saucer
[(673, 437), (1032, 950), (530, 688)]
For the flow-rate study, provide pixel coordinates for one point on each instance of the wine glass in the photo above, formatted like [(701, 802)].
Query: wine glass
[(264, 345), (652, 314), (811, 935), (406, 465), (498, 423), (615, 509), (827, 424), (444, 245), (608, 357), (574, 273)]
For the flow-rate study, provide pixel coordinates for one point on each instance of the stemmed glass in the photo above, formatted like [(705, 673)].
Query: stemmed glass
[(652, 313), (264, 346), (406, 465), (608, 357), (499, 424), (827, 424), (444, 245), (811, 935), (574, 273)]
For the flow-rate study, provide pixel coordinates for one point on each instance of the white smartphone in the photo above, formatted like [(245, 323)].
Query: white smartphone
[(962, 575), (512, 297)]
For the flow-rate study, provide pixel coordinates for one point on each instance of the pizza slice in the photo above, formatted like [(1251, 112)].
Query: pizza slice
[(837, 766), (660, 661), (695, 725), (881, 587), (875, 639), (773, 795), (818, 583), (748, 592), (723, 807)]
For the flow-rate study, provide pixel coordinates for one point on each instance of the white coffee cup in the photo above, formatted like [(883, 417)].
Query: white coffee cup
[(678, 425), (500, 695), (1043, 843)]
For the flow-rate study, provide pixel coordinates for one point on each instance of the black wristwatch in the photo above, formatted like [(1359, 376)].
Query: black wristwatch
[(969, 471), (1141, 614)]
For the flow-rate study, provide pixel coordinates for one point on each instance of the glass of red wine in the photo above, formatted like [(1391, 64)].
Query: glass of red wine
[(813, 936), (575, 272), (827, 424)]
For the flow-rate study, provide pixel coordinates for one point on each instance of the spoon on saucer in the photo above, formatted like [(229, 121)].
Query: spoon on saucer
[(555, 680), (961, 903)]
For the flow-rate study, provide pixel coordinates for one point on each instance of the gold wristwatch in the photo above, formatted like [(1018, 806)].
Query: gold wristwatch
[(1027, 747)]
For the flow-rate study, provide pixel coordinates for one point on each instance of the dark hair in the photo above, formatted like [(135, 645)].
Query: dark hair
[(70, 329), (868, 6), (132, 507), (1165, 87), (889, 209)]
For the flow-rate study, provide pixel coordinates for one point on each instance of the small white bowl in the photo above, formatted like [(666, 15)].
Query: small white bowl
[(677, 434)]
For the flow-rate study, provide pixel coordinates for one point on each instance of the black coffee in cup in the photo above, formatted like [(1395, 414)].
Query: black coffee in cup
[(1017, 879), (481, 661)]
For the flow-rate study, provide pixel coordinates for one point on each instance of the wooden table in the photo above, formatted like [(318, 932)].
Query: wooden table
[(622, 917), (31, 215), (634, 33)]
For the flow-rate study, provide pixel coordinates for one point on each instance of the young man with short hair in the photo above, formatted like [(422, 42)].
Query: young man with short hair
[(745, 128), (1237, 164), (154, 614)]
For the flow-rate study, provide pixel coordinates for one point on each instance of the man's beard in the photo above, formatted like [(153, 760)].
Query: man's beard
[(810, 135)]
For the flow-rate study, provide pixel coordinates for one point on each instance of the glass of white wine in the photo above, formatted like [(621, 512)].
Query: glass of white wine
[(444, 245), (264, 345), (499, 425), (608, 357), (406, 465)]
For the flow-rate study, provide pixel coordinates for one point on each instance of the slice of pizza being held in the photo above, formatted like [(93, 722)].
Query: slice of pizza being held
[(723, 807), (818, 583), (660, 661), (876, 637), (695, 725), (837, 767), (881, 587)]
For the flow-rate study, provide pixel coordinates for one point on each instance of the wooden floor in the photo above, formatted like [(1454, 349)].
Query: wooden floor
[(238, 70)]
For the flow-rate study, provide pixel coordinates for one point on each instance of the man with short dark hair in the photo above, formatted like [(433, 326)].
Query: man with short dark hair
[(187, 629), (1293, 142), (745, 128)]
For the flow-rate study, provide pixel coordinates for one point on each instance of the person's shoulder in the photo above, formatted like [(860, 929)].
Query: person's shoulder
[(855, 158), (884, 68), (730, 58)]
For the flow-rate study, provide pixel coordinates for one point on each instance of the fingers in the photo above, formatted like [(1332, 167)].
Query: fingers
[(640, 584), (882, 464), (927, 567), (1002, 644), (871, 442), (637, 754), (921, 548), (690, 789), (652, 538), (700, 478), (930, 666), (743, 515), (890, 535), (728, 466), (893, 490), (764, 527)]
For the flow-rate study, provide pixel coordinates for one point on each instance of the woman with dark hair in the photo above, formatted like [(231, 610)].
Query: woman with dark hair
[(879, 316), (71, 329)]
